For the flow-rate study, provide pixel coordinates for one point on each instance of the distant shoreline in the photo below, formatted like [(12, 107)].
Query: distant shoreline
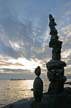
[(17, 79)]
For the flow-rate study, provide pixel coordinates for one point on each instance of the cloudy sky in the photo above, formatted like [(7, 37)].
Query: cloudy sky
[(24, 32)]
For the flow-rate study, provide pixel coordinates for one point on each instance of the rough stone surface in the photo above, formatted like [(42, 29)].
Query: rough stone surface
[(38, 85), (55, 66), (38, 89), (62, 100)]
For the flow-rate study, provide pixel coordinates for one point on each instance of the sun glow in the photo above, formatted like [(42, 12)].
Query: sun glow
[(28, 84), (20, 63)]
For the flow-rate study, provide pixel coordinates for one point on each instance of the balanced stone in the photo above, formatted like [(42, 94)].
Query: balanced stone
[(55, 66), (38, 85)]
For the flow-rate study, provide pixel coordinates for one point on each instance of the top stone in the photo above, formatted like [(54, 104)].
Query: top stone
[(52, 25)]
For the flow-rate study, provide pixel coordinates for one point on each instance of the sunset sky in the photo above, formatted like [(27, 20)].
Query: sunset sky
[(24, 33)]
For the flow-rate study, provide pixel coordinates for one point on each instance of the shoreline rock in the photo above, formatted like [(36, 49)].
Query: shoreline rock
[(62, 100)]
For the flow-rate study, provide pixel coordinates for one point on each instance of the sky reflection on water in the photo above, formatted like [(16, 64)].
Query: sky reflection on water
[(13, 90)]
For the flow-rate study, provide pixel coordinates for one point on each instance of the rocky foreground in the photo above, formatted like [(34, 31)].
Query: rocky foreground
[(62, 100)]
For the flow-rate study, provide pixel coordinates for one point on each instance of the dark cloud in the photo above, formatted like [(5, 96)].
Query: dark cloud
[(7, 50), (25, 34), (25, 23)]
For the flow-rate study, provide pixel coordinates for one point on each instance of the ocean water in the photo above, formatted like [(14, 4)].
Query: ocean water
[(13, 90)]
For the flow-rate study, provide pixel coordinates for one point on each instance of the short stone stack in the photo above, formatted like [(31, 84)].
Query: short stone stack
[(55, 66)]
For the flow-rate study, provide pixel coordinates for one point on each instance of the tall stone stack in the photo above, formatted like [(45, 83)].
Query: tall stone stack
[(55, 66)]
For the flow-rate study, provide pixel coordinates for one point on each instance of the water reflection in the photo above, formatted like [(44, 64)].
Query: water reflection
[(28, 84), (12, 90)]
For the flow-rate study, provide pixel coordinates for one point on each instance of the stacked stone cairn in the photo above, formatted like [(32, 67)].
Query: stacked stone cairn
[(38, 86), (55, 66)]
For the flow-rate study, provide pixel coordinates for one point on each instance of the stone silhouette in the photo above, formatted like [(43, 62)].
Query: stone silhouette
[(52, 25), (38, 85), (55, 66)]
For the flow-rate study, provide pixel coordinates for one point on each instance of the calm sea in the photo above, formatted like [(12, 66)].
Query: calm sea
[(13, 90)]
